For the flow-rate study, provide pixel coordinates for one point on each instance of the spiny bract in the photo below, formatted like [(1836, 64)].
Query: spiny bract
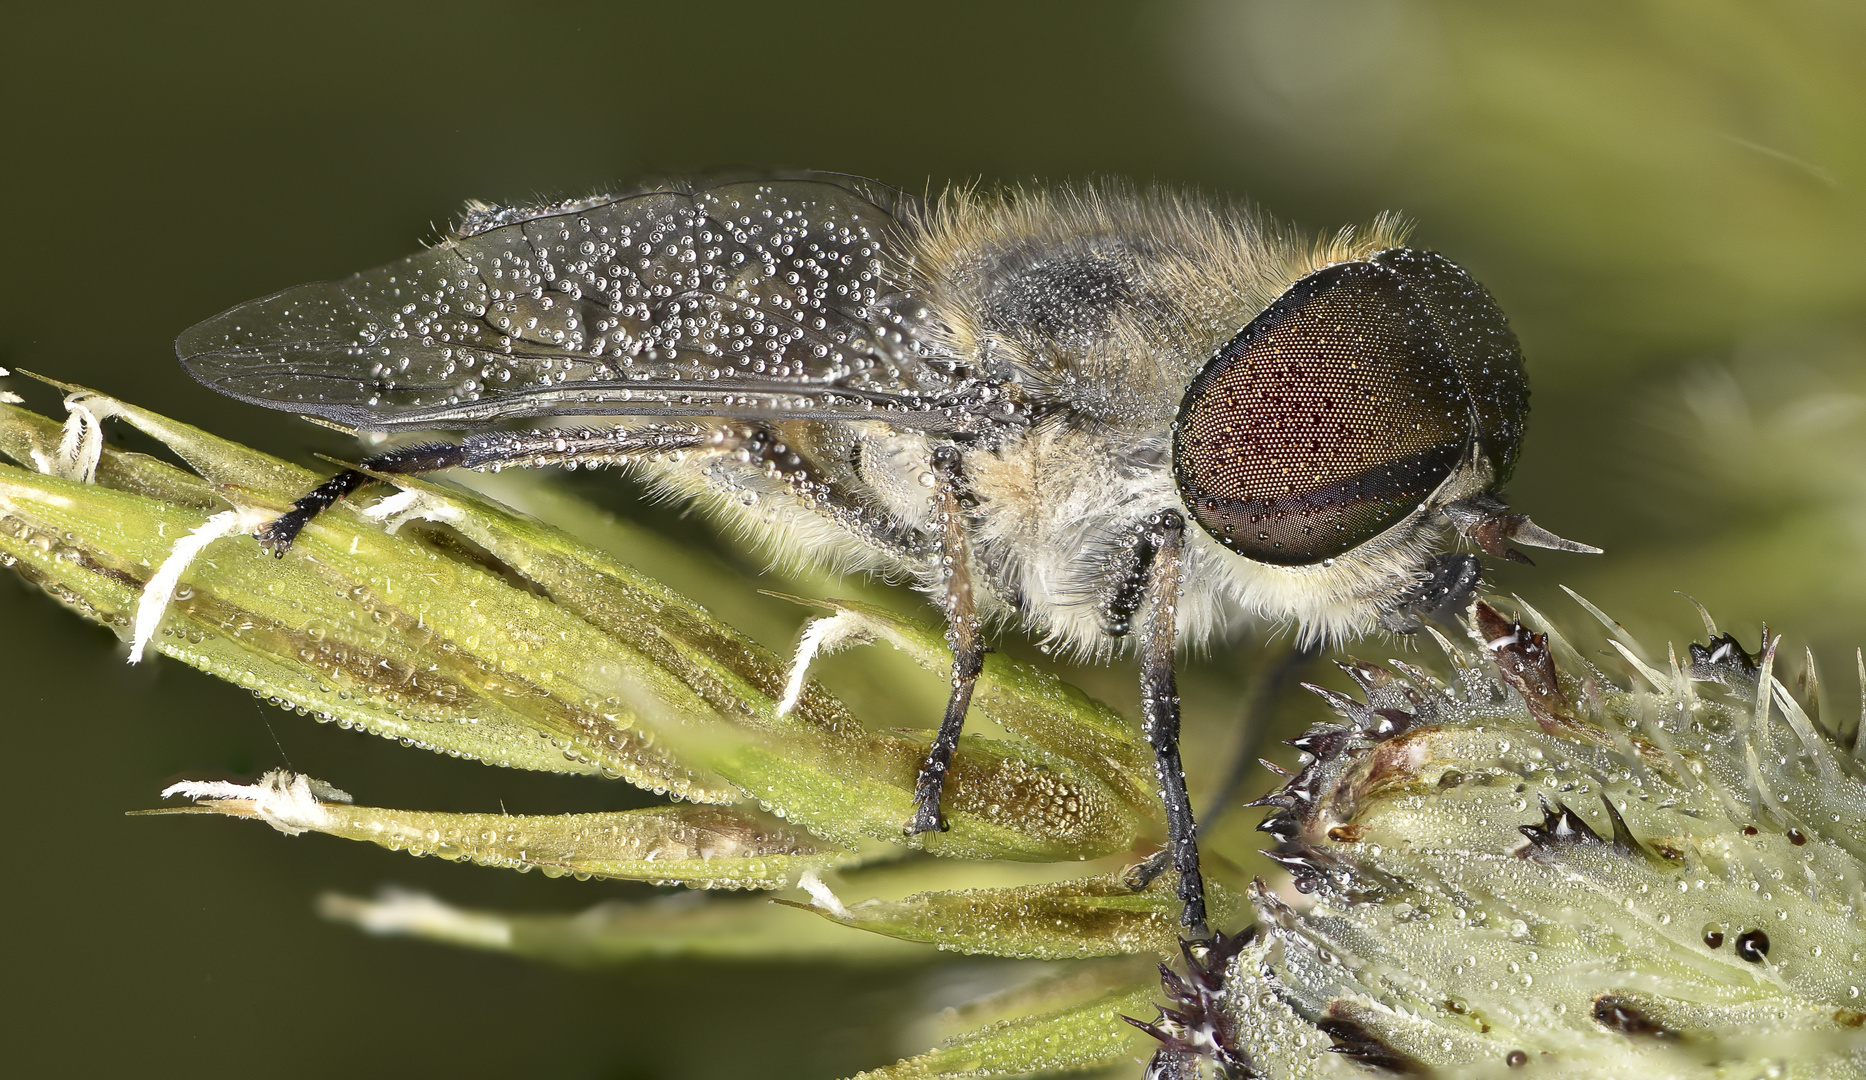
[(1530, 868)]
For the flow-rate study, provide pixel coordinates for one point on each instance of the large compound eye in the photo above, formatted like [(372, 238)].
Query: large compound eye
[(1325, 422)]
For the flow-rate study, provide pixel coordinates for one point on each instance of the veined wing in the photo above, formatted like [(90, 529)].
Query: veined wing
[(763, 297)]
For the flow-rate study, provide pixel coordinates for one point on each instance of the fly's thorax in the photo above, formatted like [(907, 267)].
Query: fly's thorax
[(1103, 301), (1059, 512)]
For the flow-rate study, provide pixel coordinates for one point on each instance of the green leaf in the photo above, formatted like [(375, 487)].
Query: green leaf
[(687, 926), (702, 847), (1078, 1038), (1086, 917), (387, 634)]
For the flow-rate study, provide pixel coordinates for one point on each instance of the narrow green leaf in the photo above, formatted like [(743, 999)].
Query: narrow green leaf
[(1086, 917), (702, 847), (1078, 1038), (222, 462), (31, 439), (384, 633), (688, 926)]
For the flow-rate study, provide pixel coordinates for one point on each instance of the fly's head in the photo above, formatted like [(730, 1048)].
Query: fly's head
[(1340, 439)]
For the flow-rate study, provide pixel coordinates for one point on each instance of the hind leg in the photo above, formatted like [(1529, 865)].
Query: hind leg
[(962, 634), (481, 451)]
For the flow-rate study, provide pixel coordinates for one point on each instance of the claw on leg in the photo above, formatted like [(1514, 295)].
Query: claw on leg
[(1143, 873), (931, 783)]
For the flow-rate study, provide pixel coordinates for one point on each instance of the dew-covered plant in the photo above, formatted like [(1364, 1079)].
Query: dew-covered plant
[(1525, 863), (1526, 866)]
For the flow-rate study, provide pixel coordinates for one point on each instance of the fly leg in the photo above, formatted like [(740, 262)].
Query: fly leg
[(281, 532), (962, 634), (484, 450), (1165, 534), (1252, 722)]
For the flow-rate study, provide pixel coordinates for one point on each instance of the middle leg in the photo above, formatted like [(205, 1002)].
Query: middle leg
[(962, 634)]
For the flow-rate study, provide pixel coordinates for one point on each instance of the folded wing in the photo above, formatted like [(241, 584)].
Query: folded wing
[(759, 297)]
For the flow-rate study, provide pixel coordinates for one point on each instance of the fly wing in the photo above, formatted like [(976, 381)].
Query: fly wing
[(758, 297)]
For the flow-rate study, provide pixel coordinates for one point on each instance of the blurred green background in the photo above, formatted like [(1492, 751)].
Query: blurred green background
[(1668, 198)]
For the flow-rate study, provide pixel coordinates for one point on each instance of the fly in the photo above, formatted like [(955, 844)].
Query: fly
[(1120, 419)]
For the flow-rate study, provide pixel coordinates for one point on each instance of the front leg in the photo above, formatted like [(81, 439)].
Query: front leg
[(962, 634), (1163, 536)]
